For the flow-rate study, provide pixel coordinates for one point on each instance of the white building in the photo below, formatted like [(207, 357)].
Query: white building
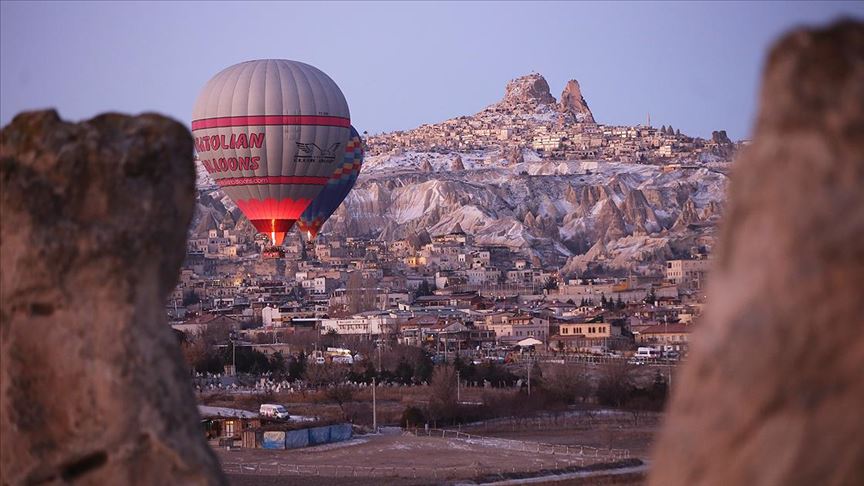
[(270, 316), (370, 325)]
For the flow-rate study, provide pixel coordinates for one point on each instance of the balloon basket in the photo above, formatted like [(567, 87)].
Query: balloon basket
[(273, 252)]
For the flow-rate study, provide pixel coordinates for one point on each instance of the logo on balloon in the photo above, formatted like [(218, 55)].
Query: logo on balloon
[(313, 154)]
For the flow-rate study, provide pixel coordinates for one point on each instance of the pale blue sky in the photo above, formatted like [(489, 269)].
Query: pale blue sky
[(693, 65)]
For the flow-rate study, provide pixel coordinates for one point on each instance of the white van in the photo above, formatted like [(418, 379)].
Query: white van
[(647, 353), (275, 411)]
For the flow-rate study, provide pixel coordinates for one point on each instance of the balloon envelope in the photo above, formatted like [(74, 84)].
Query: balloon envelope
[(340, 184), (270, 133)]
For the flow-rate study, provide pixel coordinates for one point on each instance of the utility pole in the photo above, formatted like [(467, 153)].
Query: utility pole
[(528, 361), (233, 336), (374, 408), (458, 391), (668, 363)]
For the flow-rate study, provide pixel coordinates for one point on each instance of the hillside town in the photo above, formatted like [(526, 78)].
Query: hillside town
[(448, 295), (528, 117), (527, 258), (456, 291)]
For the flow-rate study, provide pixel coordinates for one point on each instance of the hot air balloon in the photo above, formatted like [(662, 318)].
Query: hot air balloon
[(339, 185), (270, 133)]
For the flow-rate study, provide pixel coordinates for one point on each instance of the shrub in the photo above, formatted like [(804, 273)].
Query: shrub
[(412, 417)]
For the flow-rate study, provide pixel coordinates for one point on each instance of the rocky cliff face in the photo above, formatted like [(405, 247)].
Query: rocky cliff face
[(93, 230), (508, 195), (527, 91), (557, 210), (574, 104), (772, 391)]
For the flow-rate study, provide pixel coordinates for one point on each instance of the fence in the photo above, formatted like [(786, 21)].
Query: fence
[(581, 451), (332, 470), (557, 421), (343, 471)]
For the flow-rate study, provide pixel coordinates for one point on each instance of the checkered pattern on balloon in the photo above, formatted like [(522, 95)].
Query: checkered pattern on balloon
[(338, 186)]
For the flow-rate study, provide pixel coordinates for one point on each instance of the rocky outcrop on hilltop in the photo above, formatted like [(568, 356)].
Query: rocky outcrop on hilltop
[(526, 92), (93, 230), (574, 104), (772, 390), (720, 137)]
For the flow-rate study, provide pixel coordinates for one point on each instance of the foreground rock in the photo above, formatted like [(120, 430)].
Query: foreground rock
[(774, 389), (94, 219)]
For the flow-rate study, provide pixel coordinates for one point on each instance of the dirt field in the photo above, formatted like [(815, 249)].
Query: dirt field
[(403, 459)]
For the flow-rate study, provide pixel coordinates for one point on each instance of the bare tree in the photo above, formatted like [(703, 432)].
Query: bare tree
[(567, 382), (332, 378), (369, 294), (615, 384), (442, 394)]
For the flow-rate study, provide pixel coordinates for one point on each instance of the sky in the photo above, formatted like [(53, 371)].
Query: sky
[(695, 66)]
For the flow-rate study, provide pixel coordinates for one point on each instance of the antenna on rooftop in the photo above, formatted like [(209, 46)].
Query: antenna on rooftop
[(649, 118)]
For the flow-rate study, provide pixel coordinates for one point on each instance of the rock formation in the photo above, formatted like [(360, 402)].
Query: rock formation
[(610, 221), (688, 215), (772, 392), (527, 92), (515, 156), (720, 137), (457, 164), (637, 210), (93, 231), (574, 103)]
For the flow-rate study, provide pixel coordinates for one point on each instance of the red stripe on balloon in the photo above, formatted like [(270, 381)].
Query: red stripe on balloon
[(253, 181), (259, 120)]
